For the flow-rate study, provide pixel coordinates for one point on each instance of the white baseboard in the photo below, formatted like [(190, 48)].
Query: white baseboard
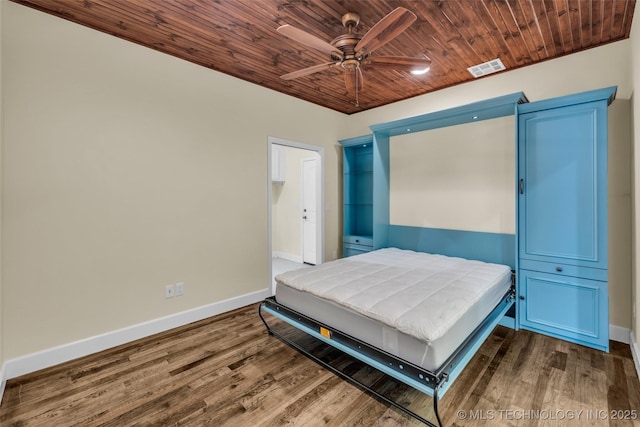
[(618, 333), (290, 257), (46, 358), (635, 352), (3, 380)]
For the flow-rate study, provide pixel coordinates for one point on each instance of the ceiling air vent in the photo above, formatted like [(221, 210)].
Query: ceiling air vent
[(485, 68)]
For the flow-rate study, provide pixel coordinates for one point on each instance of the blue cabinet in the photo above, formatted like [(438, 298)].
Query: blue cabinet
[(357, 195), (354, 245), (562, 217), (571, 308)]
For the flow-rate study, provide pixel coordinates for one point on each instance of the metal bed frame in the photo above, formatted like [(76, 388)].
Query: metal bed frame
[(433, 383)]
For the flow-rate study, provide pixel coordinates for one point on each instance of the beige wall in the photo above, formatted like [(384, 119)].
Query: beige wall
[(1, 139), (125, 170), (635, 72), (286, 200), (619, 214), (458, 177)]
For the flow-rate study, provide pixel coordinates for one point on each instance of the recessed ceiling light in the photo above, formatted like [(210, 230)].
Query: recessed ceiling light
[(420, 72)]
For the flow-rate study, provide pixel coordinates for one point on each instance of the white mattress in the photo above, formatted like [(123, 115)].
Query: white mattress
[(418, 306)]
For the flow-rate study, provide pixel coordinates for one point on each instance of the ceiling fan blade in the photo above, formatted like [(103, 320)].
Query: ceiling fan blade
[(385, 30), (398, 62), (353, 81), (308, 39), (309, 70)]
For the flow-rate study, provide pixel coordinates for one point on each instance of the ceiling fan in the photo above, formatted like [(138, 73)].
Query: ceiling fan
[(351, 51)]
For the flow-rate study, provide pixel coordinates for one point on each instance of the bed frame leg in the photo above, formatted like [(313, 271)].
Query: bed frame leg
[(266, 325), (435, 399)]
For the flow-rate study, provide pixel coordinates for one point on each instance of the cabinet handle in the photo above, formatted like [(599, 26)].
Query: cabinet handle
[(521, 186), (521, 296), (558, 268)]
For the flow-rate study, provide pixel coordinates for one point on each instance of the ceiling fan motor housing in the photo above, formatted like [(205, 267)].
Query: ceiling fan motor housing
[(347, 44)]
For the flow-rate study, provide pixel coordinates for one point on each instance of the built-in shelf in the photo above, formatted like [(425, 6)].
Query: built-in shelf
[(358, 195)]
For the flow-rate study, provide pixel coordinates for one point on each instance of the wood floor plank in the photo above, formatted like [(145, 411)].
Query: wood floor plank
[(227, 371)]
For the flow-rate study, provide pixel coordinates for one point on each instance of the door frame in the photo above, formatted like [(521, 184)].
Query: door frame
[(319, 200)]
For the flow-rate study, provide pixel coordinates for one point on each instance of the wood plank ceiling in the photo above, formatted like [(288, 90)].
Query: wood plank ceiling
[(239, 38)]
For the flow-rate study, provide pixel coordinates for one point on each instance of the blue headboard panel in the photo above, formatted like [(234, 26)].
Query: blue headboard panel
[(487, 247)]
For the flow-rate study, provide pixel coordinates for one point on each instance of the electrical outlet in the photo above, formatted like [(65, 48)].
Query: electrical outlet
[(169, 291), (179, 289)]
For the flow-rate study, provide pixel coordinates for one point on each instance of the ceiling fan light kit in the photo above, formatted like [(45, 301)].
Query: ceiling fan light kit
[(352, 52)]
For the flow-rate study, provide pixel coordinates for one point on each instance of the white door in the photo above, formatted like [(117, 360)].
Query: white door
[(309, 210)]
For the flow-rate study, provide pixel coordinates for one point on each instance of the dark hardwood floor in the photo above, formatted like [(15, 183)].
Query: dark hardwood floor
[(227, 371)]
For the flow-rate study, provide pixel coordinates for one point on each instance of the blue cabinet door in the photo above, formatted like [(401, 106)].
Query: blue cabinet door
[(565, 307), (562, 211)]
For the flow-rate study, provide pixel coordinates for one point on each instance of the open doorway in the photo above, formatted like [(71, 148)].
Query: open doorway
[(296, 223)]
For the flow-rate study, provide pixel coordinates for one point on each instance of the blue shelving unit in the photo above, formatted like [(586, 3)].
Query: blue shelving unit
[(358, 195)]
